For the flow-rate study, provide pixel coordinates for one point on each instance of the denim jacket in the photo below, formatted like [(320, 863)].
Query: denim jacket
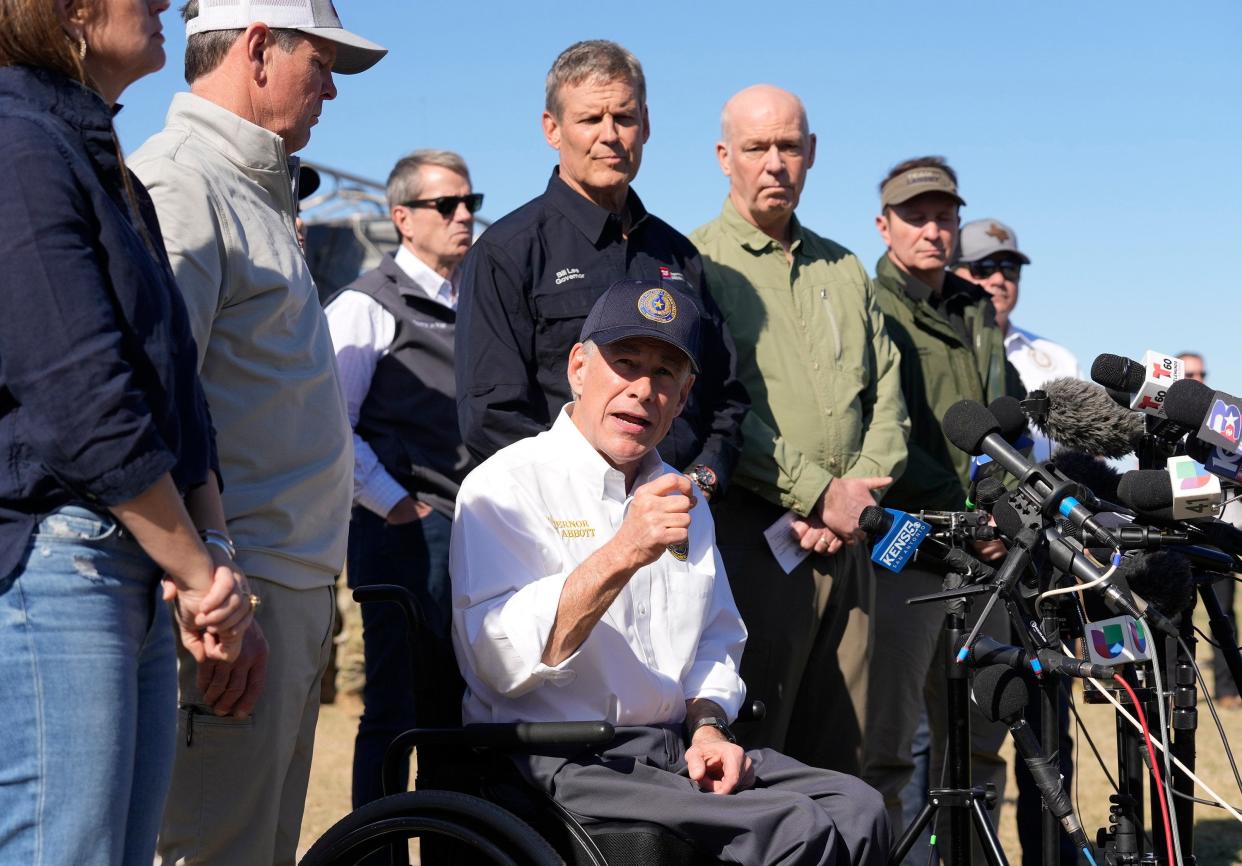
[(99, 391)]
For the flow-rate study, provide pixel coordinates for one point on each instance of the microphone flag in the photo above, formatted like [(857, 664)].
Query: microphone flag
[(1159, 372), (1196, 492), (1222, 426), (903, 538)]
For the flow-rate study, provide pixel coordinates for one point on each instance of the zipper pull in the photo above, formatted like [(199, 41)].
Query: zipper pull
[(189, 724)]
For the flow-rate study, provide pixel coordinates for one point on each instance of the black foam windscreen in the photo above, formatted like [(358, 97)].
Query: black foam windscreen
[(966, 424), (874, 521), (988, 493), (1082, 417), (1198, 449), (1089, 471), (1187, 402), (1008, 520), (1146, 489), (999, 692), (1009, 415), (1117, 372), (1163, 578)]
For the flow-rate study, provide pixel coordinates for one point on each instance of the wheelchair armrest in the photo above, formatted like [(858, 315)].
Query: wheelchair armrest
[(397, 595), (498, 735), (751, 711)]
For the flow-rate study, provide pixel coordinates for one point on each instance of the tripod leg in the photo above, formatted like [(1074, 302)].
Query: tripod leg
[(908, 838), (986, 834)]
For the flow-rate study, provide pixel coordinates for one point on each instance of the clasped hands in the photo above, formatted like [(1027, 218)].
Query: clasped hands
[(833, 521), (218, 630)]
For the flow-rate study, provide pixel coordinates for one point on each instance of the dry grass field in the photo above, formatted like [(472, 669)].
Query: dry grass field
[(1218, 837)]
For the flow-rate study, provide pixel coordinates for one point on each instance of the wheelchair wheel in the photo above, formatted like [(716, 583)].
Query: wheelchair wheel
[(492, 833)]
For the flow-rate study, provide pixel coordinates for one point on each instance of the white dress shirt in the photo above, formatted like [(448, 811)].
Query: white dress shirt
[(1037, 360), (362, 330), (526, 518)]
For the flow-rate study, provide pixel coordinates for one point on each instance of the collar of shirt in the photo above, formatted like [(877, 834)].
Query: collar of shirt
[(258, 152), (593, 469), (591, 219), (432, 284), (751, 236)]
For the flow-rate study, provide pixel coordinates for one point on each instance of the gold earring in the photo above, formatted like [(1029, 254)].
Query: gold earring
[(81, 47)]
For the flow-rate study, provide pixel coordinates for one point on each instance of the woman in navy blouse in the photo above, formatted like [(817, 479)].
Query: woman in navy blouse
[(107, 459)]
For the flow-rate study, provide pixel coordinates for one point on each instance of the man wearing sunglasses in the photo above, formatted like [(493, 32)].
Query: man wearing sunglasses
[(533, 276), (988, 256), (393, 330), (951, 349)]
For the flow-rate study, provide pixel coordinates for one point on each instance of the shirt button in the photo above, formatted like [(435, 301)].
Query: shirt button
[(642, 610), (828, 412), (815, 365)]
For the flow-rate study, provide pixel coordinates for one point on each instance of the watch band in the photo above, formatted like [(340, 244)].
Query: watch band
[(717, 723)]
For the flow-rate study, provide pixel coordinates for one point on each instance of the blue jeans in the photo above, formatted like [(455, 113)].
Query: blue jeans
[(412, 680), (88, 696)]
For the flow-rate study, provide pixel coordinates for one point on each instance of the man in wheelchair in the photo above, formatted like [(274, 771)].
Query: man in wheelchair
[(587, 585)]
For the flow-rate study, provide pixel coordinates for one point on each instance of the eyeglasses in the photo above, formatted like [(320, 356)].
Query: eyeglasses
[(984, 268), (447, 204)]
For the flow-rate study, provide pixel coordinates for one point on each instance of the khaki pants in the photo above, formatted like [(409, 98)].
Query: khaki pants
[(809, 644), (908, 675), (239, 787)]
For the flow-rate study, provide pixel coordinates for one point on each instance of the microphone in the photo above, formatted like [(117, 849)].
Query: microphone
[(1183, 490), (1164, 579), (1215, 415), (1148, 381), (902, 536), (971, 427), (1002, 696), (1013, 428), (1080, 416), (1089, 471), (1226, 465), (987, 651)]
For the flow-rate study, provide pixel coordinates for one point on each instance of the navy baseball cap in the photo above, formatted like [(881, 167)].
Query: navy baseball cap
[(644, 308)]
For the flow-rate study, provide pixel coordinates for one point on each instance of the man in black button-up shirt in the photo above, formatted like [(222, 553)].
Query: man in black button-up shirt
[(530, 280)]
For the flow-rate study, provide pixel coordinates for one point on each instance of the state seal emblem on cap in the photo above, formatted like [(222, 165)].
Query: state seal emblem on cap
[(657, 305)]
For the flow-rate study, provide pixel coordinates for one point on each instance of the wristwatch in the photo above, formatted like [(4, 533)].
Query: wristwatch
[(717, 723), (705, 477)]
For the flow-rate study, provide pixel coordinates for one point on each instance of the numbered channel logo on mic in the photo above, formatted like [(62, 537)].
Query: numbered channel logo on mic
[(1196, 492), (901, 541)]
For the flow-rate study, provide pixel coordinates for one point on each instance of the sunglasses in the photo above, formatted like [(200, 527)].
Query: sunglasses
[(984, 268), (447, 204)]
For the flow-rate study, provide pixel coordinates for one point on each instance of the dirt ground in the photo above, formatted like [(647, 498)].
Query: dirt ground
[(1218, 837)]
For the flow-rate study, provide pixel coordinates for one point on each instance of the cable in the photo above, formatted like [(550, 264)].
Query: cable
[(1155, 765), (1168, 766), (1079, 587), (1236, 813), (1220, 728)]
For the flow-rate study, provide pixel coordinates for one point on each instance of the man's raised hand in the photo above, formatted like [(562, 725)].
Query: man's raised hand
[(659, 515)]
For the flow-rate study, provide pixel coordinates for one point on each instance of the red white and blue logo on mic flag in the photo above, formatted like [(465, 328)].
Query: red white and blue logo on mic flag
[(1223, 425)]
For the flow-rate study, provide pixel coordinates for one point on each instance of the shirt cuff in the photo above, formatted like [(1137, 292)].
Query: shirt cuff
[(527, 620), (380, 492), (807, 487)]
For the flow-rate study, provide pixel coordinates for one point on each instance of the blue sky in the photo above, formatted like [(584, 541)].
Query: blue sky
[(1107, 134)]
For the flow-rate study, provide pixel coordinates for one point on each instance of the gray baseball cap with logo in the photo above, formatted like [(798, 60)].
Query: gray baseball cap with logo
[(316, 17), (980, 239)]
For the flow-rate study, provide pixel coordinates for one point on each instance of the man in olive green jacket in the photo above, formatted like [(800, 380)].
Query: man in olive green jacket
[(951, 349), (826, 430)]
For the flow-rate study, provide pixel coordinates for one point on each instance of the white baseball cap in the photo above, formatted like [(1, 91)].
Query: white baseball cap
[(316, 17)]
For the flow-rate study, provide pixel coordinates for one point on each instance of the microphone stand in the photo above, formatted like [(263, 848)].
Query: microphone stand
[(965, 802)]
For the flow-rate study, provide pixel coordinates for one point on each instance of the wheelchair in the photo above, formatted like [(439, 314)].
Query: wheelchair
[(472, 806)]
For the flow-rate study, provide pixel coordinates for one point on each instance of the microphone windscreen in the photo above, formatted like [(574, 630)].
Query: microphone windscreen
[(966, 424), (1082, 417), (1088, 470), (999, 692), (1007, 518), (1163, 578), (1199, 450), (1187, 402), (1146, 489), (989, 492), (874, 521), (1009, 415), (1117, 372)]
